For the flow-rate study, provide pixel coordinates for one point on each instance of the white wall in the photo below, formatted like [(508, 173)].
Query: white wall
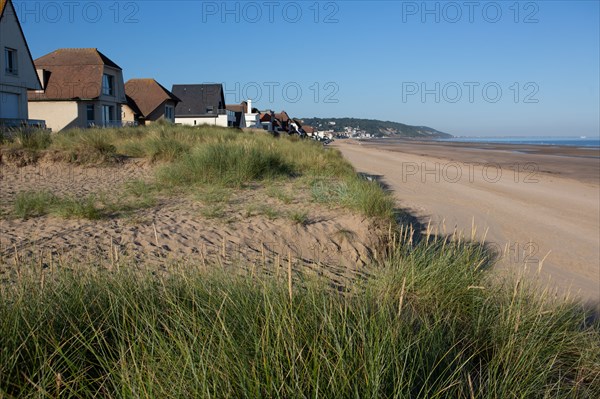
[(217, 120), (57, 114), (253, 120)]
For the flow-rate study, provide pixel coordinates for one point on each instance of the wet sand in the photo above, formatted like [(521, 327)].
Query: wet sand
[(539, 205), (577, 163)]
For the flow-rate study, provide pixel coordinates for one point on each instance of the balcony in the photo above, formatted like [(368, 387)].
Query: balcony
[(211, 112), (111, 124), (8, 123)]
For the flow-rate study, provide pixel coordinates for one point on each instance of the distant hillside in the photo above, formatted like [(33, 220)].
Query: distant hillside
[(375, 127)]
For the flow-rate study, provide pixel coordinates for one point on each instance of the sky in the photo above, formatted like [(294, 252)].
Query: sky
[(468, 68)]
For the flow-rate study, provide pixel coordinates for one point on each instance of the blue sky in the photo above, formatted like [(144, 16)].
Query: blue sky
[(466, 68)]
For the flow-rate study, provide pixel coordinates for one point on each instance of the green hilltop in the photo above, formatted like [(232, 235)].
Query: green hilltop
[(375, 127)]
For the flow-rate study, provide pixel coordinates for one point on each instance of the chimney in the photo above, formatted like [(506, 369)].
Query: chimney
[(249, 109)]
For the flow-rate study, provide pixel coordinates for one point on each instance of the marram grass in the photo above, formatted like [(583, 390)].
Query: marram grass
[(426, 325), (199, 157), (428, 321)]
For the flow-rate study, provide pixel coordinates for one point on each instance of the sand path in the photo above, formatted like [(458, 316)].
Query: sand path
[(531, 215)]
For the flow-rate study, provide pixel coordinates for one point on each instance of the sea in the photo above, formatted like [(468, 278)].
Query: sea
[(584, 142)]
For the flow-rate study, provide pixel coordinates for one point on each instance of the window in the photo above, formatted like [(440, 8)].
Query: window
[(108, 85), (10, 58), (169, 112), (210, 109), (90, 113), (107, 115)]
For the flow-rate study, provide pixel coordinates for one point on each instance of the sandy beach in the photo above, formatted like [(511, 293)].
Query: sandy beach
[(539, 206)]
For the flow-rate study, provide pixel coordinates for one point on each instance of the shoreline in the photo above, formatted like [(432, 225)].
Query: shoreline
[(545, 219), (578, 163)]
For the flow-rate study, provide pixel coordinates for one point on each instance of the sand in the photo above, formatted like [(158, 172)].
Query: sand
[(539, 206), (179, 231)]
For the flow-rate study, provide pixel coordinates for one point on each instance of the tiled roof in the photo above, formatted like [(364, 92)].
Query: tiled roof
[(282, 116), (237, 107), (147, 95), (76, 56), (74, 73)]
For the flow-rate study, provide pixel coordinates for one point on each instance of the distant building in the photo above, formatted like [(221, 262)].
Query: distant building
[(267, 120), (148, 102), (17, 70), (201, 104), (81, 87), (242, 115), (309, 130), (284, 121)]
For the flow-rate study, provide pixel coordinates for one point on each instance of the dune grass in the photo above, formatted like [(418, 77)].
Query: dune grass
[(39, 203), (137, 195), (428, 321), (427, 325), (354, 192), (190, 158)]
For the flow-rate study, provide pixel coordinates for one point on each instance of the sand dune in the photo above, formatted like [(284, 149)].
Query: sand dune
[(533, 214), (176, 231)]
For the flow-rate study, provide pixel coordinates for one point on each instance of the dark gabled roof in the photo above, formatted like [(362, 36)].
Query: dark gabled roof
[(3, 7), (73, 73), (147, 95), (197, 98)]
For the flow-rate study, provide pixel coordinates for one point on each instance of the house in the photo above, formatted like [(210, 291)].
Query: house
[(236, 114), (309, 130), (201, 104), (243, 116), (295, 127), (17, 70), (148, 102), (284, 121), (81, 87), (267, 119)]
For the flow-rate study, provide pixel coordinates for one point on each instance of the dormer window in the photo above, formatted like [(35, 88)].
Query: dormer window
[(210, 109), (10, 59), (169, 114), (108, 85)]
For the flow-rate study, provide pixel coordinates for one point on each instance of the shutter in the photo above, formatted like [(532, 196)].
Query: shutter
[(9, 106)]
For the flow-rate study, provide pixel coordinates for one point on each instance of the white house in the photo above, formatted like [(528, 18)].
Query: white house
[(241, 116), (252, 118), (17, 70), (201, 104)]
